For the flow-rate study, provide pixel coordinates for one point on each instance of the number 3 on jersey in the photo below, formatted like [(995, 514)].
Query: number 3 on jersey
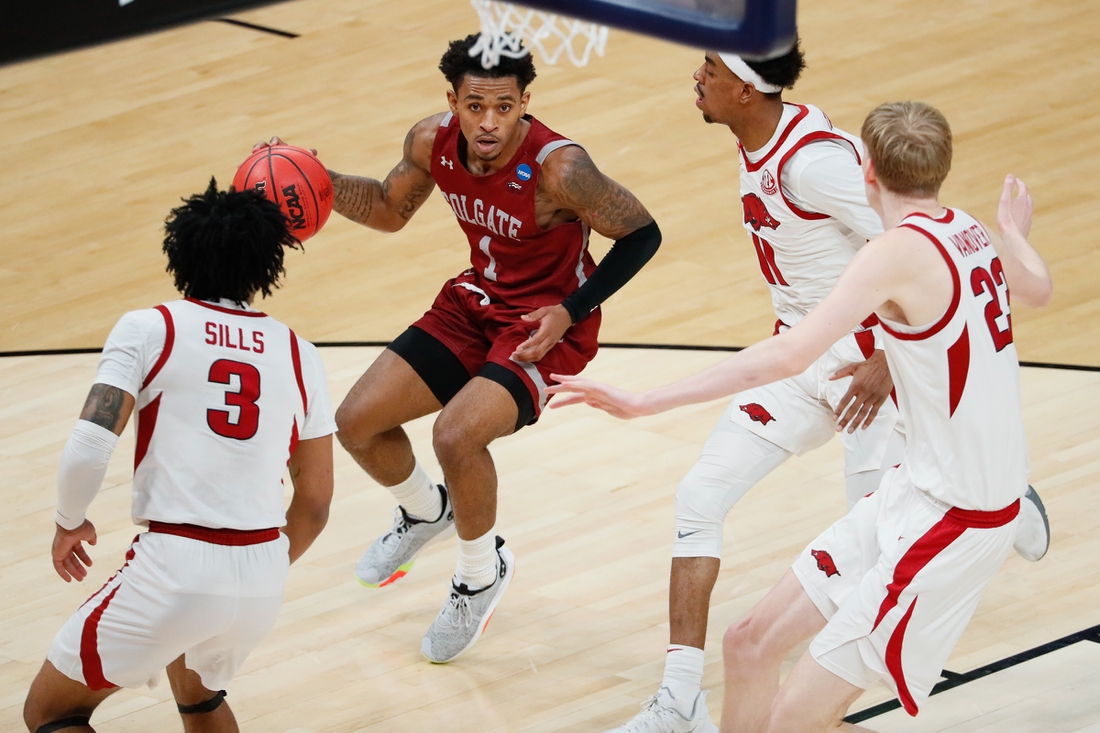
[(993, 281), (248, 420)]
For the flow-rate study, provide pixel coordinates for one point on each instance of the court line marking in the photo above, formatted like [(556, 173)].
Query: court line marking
[(655, 347), (253, 26)]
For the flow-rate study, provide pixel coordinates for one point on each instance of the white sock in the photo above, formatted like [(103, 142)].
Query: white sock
[(419, 496), (477, 561), (683, 676)]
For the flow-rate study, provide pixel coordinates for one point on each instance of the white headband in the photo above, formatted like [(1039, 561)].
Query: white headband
[(738, 66)]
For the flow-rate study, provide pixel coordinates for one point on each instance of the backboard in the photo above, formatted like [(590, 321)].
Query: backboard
[(755, 29)]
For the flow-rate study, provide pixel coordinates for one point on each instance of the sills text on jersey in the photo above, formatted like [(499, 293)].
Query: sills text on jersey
[(496, 220), (219, 334)]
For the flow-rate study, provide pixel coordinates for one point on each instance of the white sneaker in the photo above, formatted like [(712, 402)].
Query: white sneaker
[(467, 612), (659, 715), (1033, 531)]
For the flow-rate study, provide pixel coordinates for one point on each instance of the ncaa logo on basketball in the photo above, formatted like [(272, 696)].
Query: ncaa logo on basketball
[(767, 183), (295, 215), (523, 172)]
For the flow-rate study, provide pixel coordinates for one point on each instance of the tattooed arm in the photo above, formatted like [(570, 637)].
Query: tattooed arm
[(571, 187), (109, 407), (387, 205), (83, 466), (574, 186)]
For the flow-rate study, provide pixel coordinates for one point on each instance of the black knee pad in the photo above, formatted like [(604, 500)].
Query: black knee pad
[(203, 707), (73, 721)]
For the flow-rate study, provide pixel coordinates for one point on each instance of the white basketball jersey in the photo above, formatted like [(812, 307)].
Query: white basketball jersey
[(219, 414), (801, 253), (958, 379)]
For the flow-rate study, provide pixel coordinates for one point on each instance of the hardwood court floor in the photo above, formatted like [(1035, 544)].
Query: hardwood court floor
[(100, 143), (586, 503)]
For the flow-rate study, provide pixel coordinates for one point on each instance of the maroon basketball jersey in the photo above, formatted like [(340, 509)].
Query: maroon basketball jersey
[(515, 262)]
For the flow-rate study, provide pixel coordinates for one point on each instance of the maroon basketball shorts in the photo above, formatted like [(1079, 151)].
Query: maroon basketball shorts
[(467, 334)]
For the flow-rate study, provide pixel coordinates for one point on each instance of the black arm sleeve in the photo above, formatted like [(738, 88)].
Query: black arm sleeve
[(622, 262)]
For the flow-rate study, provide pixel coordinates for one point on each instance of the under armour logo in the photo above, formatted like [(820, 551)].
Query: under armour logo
[(443, 161)]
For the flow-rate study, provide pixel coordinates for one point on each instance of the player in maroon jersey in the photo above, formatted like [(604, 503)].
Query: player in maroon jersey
[(526, 198)]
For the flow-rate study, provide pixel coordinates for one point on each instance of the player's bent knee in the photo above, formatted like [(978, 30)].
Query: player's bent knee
[(745, 643), (350, 423), (73, 721), (450, 443), (700, 518)]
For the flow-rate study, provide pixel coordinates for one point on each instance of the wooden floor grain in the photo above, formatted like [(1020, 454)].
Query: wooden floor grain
[(586, 504), (102, 142)]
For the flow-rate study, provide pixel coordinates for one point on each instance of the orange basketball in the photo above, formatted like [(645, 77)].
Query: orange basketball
[(294, 179)]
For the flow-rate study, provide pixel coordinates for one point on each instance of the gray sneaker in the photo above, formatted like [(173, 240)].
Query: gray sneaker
[(467, 612), (1033, 531), (392, 555)]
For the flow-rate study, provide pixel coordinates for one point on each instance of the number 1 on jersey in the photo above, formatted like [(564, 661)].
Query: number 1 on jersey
[(244, 398), (489, 272)]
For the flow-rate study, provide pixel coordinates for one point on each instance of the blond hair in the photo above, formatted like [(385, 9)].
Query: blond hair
[(909, 144)]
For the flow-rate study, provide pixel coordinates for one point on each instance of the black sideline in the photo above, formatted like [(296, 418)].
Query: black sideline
[(253, 26), (656, 347)]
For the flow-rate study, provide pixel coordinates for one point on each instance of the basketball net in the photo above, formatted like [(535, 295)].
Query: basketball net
[(504, 26)]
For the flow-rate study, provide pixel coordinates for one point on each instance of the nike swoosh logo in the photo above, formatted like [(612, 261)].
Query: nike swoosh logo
[(682, 535)]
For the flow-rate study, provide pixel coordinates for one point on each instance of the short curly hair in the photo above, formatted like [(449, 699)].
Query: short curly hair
[(226, 244), (457, 63), (783, 71)]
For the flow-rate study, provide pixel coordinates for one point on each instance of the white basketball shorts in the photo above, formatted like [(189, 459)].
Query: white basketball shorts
[(797, 413), (898, 579), (212, 599)]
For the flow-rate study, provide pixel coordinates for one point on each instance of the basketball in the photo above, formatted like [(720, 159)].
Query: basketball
[(294, 179)]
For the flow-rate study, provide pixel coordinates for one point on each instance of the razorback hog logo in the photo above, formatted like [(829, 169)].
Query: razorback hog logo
[(825, 563), (295, 215), (756, 213), (757, 413)]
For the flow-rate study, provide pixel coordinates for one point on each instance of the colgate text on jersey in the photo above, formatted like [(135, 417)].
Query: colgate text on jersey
[(496, 220)]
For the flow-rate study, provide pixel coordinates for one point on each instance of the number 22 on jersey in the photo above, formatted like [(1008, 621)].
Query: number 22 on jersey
[(993, 282)]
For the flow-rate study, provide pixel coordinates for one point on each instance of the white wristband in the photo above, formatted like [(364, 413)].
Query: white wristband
[(81, 471)]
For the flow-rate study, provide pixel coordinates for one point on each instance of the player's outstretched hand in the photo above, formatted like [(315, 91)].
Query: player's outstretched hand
[(276, 141), (552, 322), (69, 553), (1014, 214), (871, 385), (612, 400)]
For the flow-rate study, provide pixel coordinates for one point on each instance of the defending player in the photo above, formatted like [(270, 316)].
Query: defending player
[(891, 586), (526, 199), (226, 399), (806, 213)]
